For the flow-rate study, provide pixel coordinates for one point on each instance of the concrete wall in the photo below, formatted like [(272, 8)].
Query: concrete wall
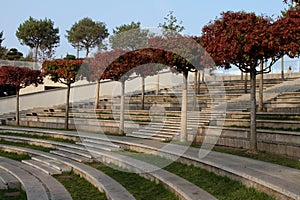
[(81, 92), (276, 142)]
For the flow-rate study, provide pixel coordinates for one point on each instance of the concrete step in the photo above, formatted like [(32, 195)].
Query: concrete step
[(157, 129), (8, 181), (52, 163), (148, 137), (157, 133), (102, 142), (80, 150), (71, 156), (41, 166), (89, 145), (102, 182)]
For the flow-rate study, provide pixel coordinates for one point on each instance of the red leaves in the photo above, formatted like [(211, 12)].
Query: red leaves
[(240, 38), (64, 71), (288, 29), (20, 77)]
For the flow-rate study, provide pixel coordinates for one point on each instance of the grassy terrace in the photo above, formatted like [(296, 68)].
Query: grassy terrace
[(141, 188), (35, 136), (78, 187), (22, 144), (219, 186), (12, 194), (268, 128), (138, 186), (263, 156)]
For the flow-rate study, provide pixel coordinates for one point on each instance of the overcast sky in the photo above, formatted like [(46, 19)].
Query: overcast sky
[(193, 13)]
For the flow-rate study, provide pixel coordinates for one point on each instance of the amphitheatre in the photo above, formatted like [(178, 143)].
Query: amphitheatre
[(40, 160)]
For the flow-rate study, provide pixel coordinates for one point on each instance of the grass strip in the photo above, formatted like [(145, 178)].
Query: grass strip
[(263, 156), (13, 194), (221, 187), (139, 187), (14, 156), (41, 137), (79, 188), (267, 128), (25, 145)]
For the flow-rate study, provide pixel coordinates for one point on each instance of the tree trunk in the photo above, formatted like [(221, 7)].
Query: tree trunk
[(18, 106), (143, 93), (96, 103), (253, 138), (282, 68), (246, 83), (183, 135), (157, 84), (242, 76), (77, 50), (67, 107), (122, 105), (195, 90), (196, 82), (87, 52), (36, 48), (199, 84), (261, 89)]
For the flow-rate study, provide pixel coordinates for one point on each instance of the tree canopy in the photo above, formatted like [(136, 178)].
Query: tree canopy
[(1, 38), (244, 40), (63, 71), (171, 26), (38, 34), (129, 36), (87, 34), (14, 54), (19, 77), (288, 29)]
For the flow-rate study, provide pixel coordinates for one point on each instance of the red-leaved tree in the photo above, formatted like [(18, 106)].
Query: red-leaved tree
[(183, 55), (288, 28), (19, 77), (243, 40), (65, 72), (98, 65)]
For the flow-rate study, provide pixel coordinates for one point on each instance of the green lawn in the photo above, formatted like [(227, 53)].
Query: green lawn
[(12, 194), (21, 144), (263, 156), (139, 187), (42, 137), (219, 186), (79, 188), (14, 156)]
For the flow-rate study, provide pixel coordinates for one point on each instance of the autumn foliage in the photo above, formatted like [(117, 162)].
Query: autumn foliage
[(288, 29), (66, 72), (19, 77), (63, 71)]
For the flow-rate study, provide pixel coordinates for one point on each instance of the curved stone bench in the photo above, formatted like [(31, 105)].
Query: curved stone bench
[(104, 183), (182, 188), (36, 184), (8, 181)]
